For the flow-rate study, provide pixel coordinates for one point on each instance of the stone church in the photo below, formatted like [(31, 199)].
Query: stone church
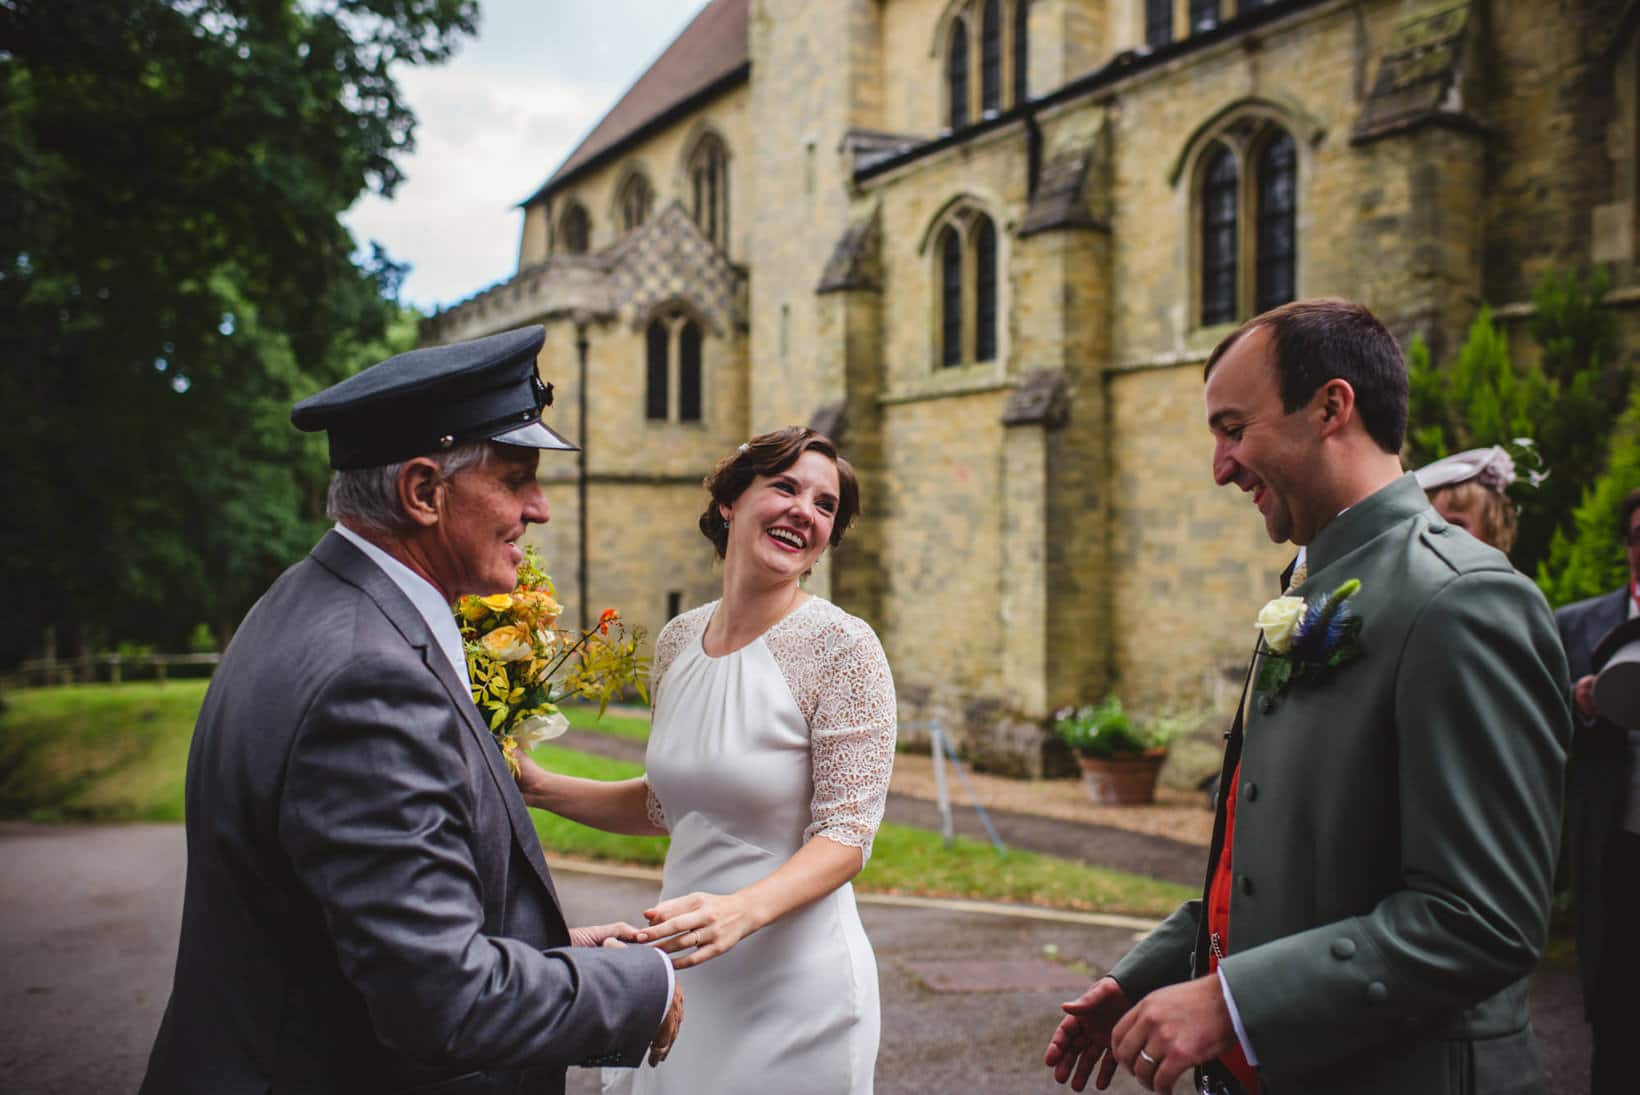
[(986, 245)]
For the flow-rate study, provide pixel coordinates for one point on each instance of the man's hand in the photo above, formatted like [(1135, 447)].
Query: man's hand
[(662, 1045), (1583, 696), (1083, 1036), (603, 935), (1176, 1028)]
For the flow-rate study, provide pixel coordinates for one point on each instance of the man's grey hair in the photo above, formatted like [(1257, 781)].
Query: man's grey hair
[(370, 496)]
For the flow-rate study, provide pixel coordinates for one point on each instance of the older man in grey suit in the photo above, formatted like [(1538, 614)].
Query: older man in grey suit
[(367, 905)]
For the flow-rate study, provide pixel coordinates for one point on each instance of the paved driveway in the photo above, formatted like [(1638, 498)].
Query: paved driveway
[(88, 939), (89, 916)]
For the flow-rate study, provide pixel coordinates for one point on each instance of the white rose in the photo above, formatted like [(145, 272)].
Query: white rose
[(539, 728), (1278, 619)]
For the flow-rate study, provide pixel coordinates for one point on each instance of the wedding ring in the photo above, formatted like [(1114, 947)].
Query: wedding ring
[(694, 939), (1147, 1058)]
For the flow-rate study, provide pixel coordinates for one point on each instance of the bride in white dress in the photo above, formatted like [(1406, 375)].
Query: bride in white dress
[(768, 763)]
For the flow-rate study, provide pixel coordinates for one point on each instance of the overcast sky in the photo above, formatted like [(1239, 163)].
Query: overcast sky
[(494, 123)]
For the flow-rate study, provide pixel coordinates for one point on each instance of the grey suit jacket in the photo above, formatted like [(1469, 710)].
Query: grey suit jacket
[(367, 906), (1396, 828), (1597, 777)]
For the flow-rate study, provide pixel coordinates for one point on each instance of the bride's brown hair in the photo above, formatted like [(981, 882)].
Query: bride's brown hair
[(770, 454)]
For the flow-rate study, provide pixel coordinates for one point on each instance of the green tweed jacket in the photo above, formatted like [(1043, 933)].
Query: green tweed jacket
[(1397, 826)]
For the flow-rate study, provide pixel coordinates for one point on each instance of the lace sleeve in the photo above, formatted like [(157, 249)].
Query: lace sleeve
[(851, 742), (652, 806)]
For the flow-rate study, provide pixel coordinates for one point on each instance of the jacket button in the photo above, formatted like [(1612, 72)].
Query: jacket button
[(1266, 704), (1246, 886), (1377, 992), (1252, 791), (1343, 948)]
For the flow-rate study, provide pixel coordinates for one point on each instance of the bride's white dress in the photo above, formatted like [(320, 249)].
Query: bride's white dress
[(751, 754)]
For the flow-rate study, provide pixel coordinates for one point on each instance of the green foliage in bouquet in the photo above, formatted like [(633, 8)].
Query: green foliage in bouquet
[(522, 666)]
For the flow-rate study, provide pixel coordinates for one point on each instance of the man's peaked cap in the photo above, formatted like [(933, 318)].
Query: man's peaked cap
[(435, 398)]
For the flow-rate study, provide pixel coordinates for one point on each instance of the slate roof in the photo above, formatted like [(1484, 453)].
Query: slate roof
[(709, 56)]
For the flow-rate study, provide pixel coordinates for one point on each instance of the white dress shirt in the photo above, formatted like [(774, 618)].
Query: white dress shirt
[(426, 598)]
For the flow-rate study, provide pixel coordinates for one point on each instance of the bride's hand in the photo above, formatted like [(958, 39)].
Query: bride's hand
[(709, 923), (532, 778)]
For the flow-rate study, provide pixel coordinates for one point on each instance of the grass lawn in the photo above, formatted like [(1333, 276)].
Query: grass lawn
[(615, 721), (97, 752), (118, 753), (903, 860)]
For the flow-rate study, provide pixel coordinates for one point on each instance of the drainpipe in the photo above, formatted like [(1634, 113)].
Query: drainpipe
[(581, 468)]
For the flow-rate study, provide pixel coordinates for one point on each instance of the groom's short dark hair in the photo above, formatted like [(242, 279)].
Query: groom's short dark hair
[(1319, 339)]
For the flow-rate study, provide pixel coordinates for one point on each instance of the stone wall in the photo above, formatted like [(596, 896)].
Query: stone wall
[(1043, 528)]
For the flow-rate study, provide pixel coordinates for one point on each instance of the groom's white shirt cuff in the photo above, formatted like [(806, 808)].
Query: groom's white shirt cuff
[(1235, 1021)]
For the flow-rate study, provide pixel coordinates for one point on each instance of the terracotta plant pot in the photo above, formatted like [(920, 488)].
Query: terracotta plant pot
[(1122, 781)]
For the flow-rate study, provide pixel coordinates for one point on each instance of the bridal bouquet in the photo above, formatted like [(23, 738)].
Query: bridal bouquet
[(522, 665)]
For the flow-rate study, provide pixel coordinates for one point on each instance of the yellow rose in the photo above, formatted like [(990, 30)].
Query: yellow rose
[(473, 609), (498, 602), (1278, 619), (539, 608), (507, 644)]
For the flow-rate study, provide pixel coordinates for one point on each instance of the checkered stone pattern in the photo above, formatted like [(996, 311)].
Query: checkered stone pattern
[(669, 260)]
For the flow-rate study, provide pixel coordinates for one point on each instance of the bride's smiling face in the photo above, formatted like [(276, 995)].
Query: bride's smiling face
[(784, 521)]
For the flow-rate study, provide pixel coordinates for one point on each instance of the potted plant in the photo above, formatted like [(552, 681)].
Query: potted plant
[(1120, 758)]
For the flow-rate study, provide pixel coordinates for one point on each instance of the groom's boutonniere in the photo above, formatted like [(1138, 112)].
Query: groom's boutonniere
[(1302, 639)]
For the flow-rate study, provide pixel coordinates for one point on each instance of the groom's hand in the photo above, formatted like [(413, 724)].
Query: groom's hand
[(662, 1045), (1084, 1036), (1172, 1031), (603, 935)]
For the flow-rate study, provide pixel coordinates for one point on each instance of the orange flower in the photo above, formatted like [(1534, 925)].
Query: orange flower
[(608, 616)]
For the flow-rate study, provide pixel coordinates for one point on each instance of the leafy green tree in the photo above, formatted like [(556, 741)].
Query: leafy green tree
[(1566, 402), (173, 274), (1592, 561)]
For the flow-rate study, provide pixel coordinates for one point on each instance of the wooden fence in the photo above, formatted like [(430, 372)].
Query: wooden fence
[(112, 668)]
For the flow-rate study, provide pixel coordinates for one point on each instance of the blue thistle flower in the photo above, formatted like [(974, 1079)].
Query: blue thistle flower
[(1326, 624)]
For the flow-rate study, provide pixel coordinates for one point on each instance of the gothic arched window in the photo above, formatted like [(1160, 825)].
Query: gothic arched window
[(709, 181), (950, 297), (1022, 50), (636, 198), (1277, 222), (575, 229), (1158, 22), (689, 341), (990, 57), (956, 75), (657, 339), (1247, 210), (965, 271), (985, 290), (1219, 257), (673, 362)]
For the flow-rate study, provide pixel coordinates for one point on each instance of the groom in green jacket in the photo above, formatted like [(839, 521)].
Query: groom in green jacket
[(1379, 879)]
